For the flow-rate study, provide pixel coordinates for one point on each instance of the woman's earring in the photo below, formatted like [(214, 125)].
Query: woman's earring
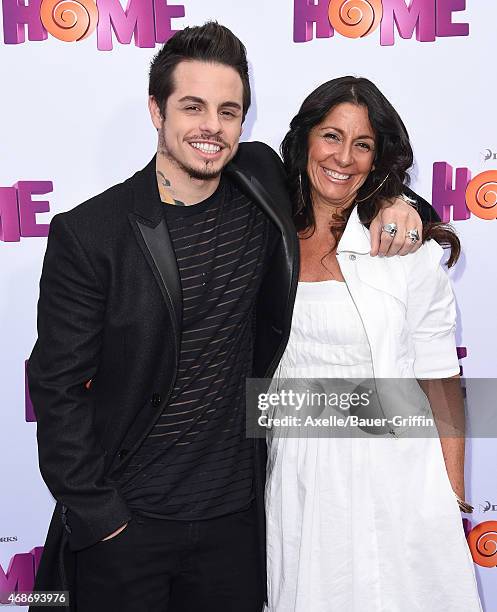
[(301, 205), (377, 189)]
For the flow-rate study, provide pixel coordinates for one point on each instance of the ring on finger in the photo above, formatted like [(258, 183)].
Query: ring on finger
[(390, 229), (413, 235)]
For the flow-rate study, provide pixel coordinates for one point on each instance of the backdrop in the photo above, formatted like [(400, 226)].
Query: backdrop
[(74, 121)]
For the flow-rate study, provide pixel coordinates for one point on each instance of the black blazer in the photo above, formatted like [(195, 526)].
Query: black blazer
[(110, 312)]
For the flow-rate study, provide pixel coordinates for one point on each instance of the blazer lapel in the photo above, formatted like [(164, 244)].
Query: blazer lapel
[(150, 229), (277, 292), (355, 237), (258, 193)]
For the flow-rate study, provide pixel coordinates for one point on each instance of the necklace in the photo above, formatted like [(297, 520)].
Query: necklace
[(327, 269)]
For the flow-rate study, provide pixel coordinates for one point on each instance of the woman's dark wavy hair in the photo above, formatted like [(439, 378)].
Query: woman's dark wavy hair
[(393, 158)]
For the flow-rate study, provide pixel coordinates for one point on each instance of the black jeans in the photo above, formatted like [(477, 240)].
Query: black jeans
[(157, 565)]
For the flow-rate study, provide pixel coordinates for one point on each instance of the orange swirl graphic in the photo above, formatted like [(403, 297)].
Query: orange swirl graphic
[(69, 20), (355, 18), (482, 541), (481, 195)]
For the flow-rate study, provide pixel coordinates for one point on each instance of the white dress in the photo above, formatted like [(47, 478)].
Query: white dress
[(358, 524)]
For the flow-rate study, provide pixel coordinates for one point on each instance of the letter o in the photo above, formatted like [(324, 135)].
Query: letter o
[(355, 18)]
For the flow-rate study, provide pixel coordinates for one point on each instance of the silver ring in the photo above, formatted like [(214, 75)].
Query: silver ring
[(390, 229), (413, 235)]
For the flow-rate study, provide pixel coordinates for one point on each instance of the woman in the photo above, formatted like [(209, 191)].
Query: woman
[(369, 523)]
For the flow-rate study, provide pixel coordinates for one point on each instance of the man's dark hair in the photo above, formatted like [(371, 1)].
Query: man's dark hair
[(211, 42)]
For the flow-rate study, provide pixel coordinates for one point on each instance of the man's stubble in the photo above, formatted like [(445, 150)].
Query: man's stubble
[(204, 174)]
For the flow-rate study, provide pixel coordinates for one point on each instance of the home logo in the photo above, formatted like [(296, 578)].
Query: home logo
[(482, 542), (149, 21), (20, 574), (18, 210), (358, 18), (477, 195)]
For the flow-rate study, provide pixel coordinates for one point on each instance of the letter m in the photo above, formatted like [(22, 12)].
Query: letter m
[(19, 576), (137, 19), (420, 15)]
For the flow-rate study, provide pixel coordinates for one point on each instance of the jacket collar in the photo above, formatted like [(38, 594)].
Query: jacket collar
[(253, 188), (382, 273), (356, 237), (146, 202), (149, 209)]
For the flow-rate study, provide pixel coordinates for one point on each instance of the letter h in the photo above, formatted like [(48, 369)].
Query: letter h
[(444, 196), (306, 13), (16, 15)]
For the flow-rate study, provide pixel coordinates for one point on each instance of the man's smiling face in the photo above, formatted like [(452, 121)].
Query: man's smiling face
[(202, 123)]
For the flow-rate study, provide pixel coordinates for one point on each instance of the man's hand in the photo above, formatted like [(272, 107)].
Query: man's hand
[(406, 217), (114, 533)]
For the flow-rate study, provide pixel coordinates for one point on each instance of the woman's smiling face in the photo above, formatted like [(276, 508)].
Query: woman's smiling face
[(340, 155)]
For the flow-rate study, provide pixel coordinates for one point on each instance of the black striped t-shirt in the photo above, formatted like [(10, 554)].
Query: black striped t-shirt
[(197, 463)]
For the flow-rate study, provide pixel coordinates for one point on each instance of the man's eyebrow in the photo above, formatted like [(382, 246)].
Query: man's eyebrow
[(331, 127), (196, 100), (192, 99), (231, 104)]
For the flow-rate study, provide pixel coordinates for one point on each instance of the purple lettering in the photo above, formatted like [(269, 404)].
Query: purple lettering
[(9, 215), (444, 196), (19, 576), (445, 27), (163, 13), (419, 15), (29, 411), (29, 207), (37, 551), (137, 20), (306, 13), (462, 352), (16, 15)]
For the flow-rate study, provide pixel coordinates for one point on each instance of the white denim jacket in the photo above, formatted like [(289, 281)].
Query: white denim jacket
[(406, 304), (408, 311)]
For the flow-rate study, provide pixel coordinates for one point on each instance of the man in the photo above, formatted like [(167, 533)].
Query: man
[(157, 299)]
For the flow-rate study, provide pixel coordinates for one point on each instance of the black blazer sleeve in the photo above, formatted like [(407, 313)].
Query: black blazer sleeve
[(426, 211), (71, 312)]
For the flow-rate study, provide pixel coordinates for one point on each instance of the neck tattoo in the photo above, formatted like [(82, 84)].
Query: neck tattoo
[(164, 190)]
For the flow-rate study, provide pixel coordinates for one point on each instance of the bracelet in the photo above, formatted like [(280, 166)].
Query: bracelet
[(409, 200), (464, 506)]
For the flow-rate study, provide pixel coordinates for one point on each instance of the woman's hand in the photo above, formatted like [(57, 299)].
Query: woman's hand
[(407, 218)]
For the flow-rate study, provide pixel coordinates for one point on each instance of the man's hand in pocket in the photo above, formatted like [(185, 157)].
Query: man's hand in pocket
[(114, 533)]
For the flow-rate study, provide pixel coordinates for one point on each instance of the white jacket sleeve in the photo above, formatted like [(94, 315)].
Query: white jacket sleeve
[(431, 313)]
